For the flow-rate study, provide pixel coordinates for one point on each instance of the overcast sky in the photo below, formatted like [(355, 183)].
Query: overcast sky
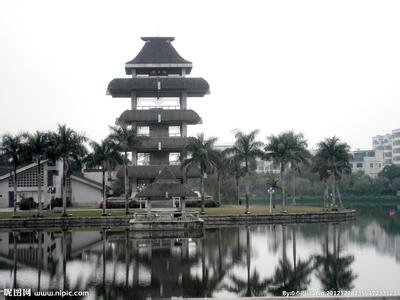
[(322, 68)]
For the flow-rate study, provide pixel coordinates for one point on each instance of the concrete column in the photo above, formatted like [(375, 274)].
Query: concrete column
[(134, 187), (183, 72), (183, 100), (184, 129), (183, 204), (148, 205), (133, 100), (134, 157)]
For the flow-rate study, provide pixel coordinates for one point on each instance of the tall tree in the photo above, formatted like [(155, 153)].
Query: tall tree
[(106, 157), (220, 163), (36, 147), (287, 149), (68, 145), (235, 168), (126, 138), (334, 158), (203, 156), (13, 147), (320, 166), (246, 149)]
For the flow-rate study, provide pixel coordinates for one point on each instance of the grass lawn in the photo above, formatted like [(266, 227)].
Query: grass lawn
[(214, 211), (255, 209), (89, 212)]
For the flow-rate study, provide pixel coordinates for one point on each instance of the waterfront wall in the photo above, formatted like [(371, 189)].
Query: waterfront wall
[(123, 221)]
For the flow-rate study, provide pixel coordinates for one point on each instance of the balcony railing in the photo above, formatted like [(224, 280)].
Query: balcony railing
[(174, 107)]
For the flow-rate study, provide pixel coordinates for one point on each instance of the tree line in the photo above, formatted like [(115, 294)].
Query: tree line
[(67, 145), (287, 151)]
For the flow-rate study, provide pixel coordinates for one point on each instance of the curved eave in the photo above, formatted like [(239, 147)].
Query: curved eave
[(166, 143), (149, 86), (170, 116), (151, 172)]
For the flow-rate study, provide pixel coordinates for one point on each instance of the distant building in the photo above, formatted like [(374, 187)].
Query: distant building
[(263, 166), (396, 146), (370, 162), (390, 145)]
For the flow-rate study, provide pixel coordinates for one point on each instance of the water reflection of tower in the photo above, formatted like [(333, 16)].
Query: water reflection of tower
[(154, 267)]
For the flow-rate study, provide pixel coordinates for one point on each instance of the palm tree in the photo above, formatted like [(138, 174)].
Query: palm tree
[(333, 158), (203, 156), (13, 147), (105, 156), (246, 149), (319, 165), (126, 138), (36, 147), (235, 168), (288, 148), (66, 144), (220, 168)]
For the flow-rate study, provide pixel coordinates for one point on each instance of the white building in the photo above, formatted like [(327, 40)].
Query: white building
[(370, 162), (390, 144), (83, 189), (396, 146)]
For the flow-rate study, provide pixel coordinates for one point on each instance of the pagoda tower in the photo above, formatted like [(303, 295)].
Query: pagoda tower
[(158, 89)]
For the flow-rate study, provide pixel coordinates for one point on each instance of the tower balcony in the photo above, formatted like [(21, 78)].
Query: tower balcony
[(151, 171), (152, 115), (161, 143), (158, 87)]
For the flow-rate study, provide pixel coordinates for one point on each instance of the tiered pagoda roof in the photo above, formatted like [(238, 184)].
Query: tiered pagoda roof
[(158, 86), (154, 115), (166, 186), (157, 52)]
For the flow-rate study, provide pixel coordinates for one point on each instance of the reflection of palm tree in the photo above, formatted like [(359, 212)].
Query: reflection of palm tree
[(104, 259), (39, 253), (64, 252), (288, 277), (253, 285), (333, 270), (15, 260)]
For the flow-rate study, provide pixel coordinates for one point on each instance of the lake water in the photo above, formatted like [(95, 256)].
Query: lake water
[(360, 256)]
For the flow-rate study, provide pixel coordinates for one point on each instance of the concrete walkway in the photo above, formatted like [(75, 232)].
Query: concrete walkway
[(296, 298)]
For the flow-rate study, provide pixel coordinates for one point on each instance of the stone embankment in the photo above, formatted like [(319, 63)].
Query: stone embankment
[(123, 221)]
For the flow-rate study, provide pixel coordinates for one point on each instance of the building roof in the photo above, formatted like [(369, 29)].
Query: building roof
[(166, 186), (81, 178), (5, 169), (4, 174), (167, 116), (158, 86), (151, 171), (158, 52)]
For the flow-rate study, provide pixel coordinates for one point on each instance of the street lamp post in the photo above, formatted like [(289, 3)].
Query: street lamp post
[(270, 191)]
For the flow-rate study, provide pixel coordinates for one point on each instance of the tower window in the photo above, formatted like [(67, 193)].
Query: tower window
[(143, 130), (174, 158), (174, 130), (143, 159)]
